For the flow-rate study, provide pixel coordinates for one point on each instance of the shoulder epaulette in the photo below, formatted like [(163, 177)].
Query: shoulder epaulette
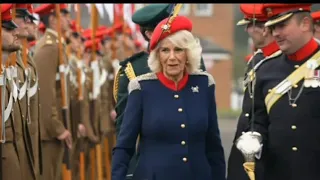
[(135, 83), (132, 58), (203, 73)]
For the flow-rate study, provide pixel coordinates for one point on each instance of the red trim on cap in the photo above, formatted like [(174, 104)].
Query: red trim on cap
[(305, 51), (171, 84), (270, 48)]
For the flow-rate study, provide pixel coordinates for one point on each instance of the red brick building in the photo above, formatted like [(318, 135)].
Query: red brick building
[(214, 22)]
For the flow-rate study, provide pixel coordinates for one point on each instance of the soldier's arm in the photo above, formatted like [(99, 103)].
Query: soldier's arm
[(129, 131), (46, 57), (214, 149), (122, 96), (105, 109)]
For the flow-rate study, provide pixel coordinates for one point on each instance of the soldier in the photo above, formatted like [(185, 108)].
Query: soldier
[(11, 168), (21, 108), (75, 41), (316, 22), (287, 97), (267, 48), (33, 106), (54, 132)]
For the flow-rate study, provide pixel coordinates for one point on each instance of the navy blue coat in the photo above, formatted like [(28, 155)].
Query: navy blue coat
[(179, 134)]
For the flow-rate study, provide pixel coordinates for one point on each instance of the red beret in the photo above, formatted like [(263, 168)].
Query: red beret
[(251, 12), (102, 28), (280, 12), (164, 30), (6, 12), (88, 44), (316, 16), (73, 26), (45, 9)]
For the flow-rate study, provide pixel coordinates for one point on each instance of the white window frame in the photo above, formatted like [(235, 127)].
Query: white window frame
[(185, 9), (204, 13)]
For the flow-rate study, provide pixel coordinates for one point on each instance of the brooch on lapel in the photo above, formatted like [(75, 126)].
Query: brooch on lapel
[(195, 89)]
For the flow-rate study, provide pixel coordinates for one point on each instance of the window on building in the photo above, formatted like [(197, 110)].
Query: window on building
[(203, 9), (185, 10)]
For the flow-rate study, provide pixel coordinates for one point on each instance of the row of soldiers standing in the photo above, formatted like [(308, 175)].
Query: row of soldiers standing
[(66, 129)]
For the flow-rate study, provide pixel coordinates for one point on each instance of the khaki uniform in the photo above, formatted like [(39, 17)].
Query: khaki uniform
[(107, 125), (77, 115), (34, 110), (47, 61), (20, 114), (11, 168)]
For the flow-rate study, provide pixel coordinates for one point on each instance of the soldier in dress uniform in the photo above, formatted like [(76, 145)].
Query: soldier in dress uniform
[(21, 108), (316, 22), (33, 96), (254, 19), (287, 97), (74, 41), (54, 133), (11, 166)]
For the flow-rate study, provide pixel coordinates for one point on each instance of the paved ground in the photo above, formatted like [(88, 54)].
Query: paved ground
[(227, 130)]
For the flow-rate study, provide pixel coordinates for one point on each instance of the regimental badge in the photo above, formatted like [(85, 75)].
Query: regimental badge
[(165, 27)]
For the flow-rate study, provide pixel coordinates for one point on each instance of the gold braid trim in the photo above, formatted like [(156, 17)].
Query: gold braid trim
[(129, 71), (116, 85)]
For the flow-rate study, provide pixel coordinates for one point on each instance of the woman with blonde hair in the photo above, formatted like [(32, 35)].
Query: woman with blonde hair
[(173, 112)]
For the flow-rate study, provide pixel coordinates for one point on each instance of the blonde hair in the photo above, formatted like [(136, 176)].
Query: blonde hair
[(182, 39)]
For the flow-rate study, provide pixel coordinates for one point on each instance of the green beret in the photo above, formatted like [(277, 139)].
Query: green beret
[(151, 15)]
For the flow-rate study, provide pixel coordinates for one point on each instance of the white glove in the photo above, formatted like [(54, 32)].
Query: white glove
[(250, 143)]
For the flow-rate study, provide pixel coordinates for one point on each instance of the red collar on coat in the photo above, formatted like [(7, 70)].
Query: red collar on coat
[(270, 49), (305, 51), (171, 84)]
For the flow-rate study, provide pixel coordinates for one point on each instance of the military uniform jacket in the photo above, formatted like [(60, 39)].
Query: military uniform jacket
[(106, 98), (11, 168), (290, 133), (179, 134), (139, 66), (236, 159), (34, 108), (47, 60)]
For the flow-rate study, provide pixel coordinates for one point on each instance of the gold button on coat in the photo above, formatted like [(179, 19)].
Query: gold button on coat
[(176, 96), (183, 125), (294, 149), (185, 159), (293, 127), (183, 142), (180, 110)]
